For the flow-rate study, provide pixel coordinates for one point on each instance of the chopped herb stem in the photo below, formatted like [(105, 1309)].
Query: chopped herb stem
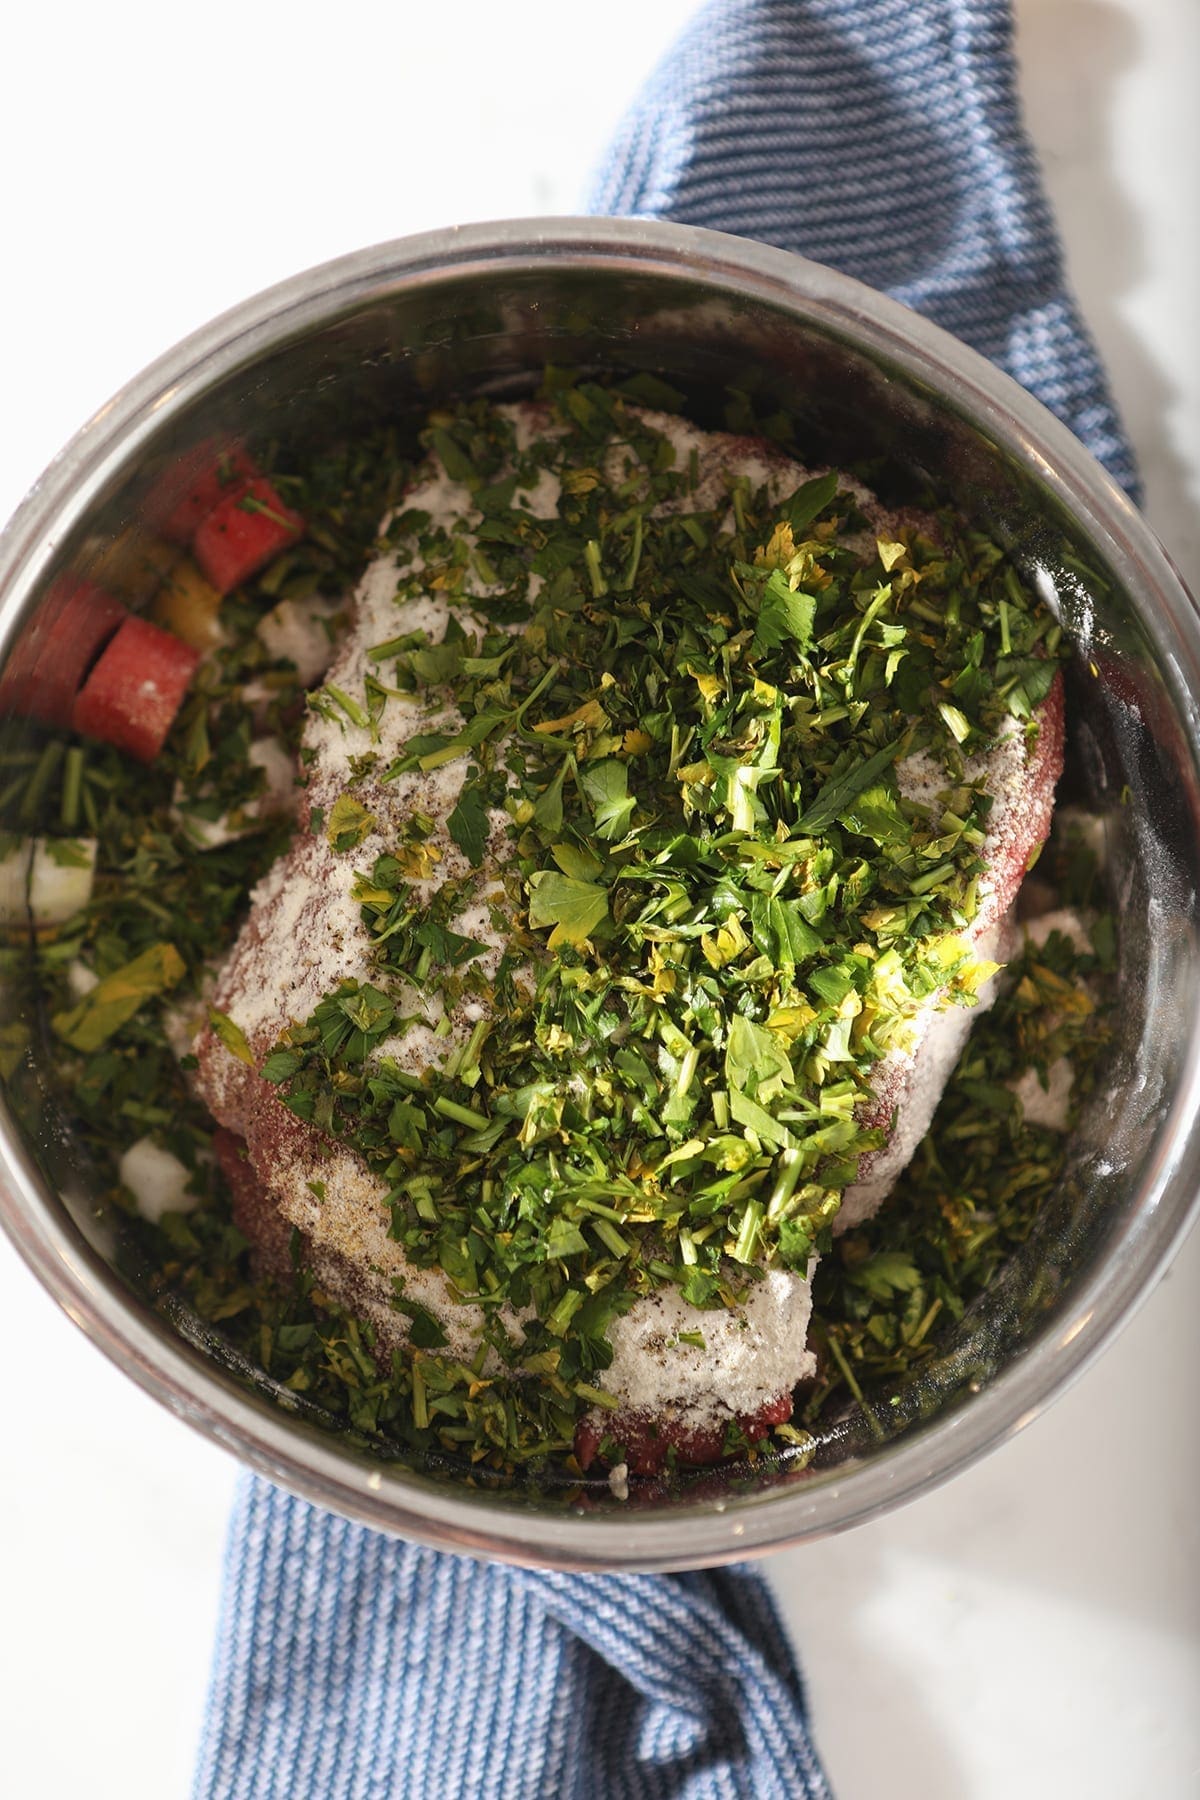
[(39, 783), (595, 1396), (72, 785), (924, 884), (591, 557), (635, 556), (848, 1375), (611, 1238), (747, 1237), (356, 714), (791, 1164), (564, 1311), (420, 1398), (461, 1115)]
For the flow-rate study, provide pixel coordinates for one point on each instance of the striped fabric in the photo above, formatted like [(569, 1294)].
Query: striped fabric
[(883, 137), (353, 1667)]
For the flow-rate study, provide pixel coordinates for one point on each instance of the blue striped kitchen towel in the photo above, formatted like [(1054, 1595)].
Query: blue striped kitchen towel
[(351, 1666), (884, 137)]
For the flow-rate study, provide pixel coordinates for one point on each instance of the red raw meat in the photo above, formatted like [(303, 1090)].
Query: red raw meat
[(1012, 847), (50, 659), (248, 529), (908, 1088), (131, 697), (647, 1439), (254, 1211)]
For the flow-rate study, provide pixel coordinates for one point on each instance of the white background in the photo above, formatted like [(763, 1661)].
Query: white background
[(1031, 1629)]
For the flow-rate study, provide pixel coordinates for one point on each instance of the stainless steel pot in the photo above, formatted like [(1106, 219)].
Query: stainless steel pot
[(384, 333)]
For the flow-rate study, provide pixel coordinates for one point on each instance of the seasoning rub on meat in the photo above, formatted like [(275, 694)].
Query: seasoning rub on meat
[(665, 803)]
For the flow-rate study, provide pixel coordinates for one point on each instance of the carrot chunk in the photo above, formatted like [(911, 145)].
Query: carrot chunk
[(184, 494), (47, 665), (135, 690), (245, 531)]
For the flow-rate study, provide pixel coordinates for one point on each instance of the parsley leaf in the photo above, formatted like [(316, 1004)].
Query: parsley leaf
[(231, 1035), (809, 502), (755, 1059), (784, 616), (573, 908), (606, 785), (468, 823), (115, 999), (843, 786), (348, 824)]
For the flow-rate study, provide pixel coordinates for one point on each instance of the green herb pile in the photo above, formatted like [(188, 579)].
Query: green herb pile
[(883, 1294), (719, 913), (977, 1184)]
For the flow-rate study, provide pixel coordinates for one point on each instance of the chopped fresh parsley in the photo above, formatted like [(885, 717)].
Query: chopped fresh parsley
[(720, 911)]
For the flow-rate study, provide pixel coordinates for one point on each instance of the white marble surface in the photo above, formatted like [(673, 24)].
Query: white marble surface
[(1034, 1627)]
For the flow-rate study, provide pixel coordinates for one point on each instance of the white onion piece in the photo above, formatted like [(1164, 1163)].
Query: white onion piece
[(156, 1179), (48, 877)]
